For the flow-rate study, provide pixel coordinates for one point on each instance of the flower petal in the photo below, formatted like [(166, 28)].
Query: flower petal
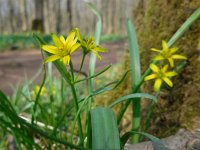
[(152, 76), (178, 57), (171, 62), (100, 49), (56, 40), (158, 57), (173, 50), (52, 58), (62, 39), (74, 48), (170, 74), (70, 37), (164, 45), (79, 35), (157, 84), (164, 69), (66, 60), (156, 50), (154, 68), (168, 81), (50, 49)]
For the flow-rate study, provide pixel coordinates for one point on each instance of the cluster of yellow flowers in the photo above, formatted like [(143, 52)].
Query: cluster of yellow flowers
[(161, 74), (44, 91), (63, 48)]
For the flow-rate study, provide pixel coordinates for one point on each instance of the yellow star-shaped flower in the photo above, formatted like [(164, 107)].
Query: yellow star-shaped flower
[(89, 45), (167, 53), (160, 75), (63, 47)]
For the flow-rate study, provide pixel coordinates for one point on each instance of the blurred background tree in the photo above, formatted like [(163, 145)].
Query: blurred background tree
[(60, 16)]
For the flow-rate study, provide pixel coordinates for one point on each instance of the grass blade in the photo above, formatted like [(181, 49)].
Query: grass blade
[(157, 143), (132, 97)]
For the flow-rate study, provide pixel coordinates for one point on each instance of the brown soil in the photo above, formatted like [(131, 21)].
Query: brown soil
[(17, 66)]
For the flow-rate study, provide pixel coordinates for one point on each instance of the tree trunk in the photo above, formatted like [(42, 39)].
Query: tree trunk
[(23, 15), (38, 22), (69, 12), (177, 107)]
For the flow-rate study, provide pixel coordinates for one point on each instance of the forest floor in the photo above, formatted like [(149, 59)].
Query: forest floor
[(20, 65)]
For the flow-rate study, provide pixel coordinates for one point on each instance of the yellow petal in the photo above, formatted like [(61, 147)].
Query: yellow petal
[(171, 62), (179, 57), (56, 40), (157, 84), (99, 49), (70, 37), (164, 69), (173, 50), (96, 53), (50, 49), (156, 50), (154, 68), (158, 57), (170, 74), (152, 76), (66, 60), (164, 45), (62, 39), (74, 48), (79, 35), (168, 81), (52, 58)]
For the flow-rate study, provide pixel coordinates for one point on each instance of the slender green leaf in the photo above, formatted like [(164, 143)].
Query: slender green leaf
[(134, 53), (157, 143), (184, 27), (105, 133), (132, 97), (135, 75), (97, 74)]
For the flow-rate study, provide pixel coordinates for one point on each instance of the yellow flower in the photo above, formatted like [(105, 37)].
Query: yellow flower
[(167, 53), (63, 47), (160, 75), (89, 45), (36, 90)]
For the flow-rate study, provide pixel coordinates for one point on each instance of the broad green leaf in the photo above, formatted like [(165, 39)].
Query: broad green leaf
[(132, 97), (105, 133), (134, 53), (157, 143), (135, 74)]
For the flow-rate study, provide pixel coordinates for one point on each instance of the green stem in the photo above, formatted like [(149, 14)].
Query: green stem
[(136, 120), (77, 109), (78, 74)]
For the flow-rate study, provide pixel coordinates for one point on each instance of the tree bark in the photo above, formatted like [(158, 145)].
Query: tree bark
[(38, 22)]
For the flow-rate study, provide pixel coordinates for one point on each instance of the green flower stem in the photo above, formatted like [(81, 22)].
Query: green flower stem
[(136, 119), (72, 85), (78, 74), (77, 108)]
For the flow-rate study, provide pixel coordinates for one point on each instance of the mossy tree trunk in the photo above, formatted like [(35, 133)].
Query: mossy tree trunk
[(177, 107)]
